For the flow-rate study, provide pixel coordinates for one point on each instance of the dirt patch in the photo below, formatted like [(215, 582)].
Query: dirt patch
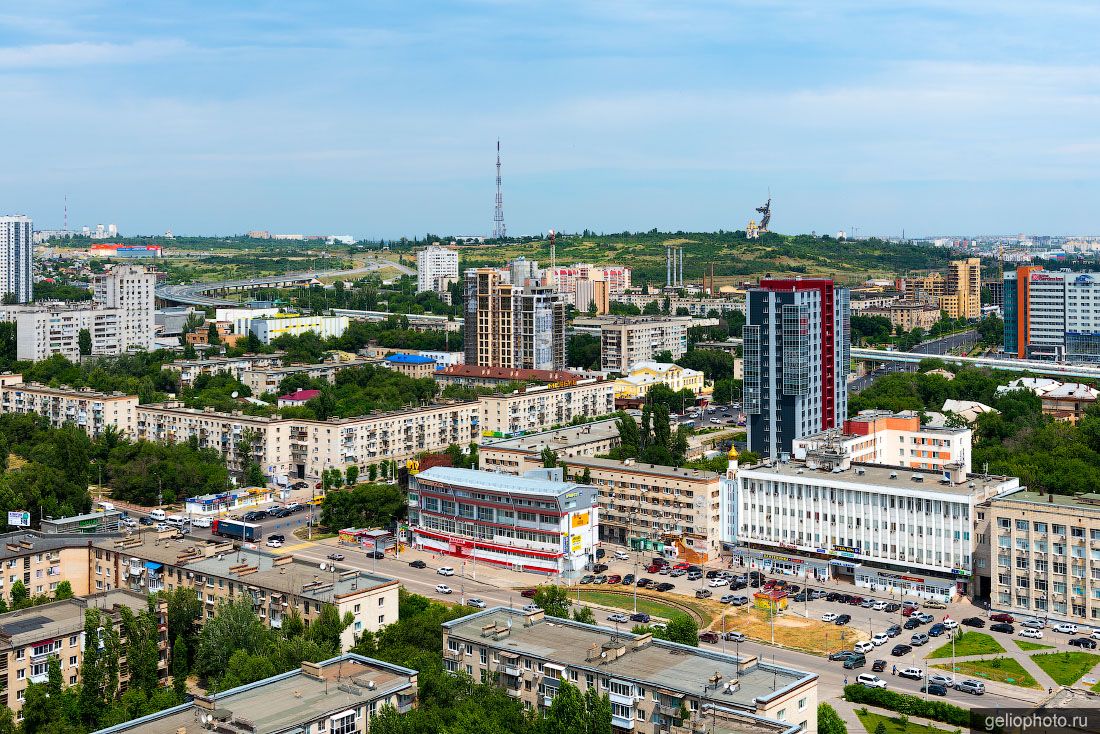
[(809, 635)]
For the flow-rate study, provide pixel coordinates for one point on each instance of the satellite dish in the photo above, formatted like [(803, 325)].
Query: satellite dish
[(322, 567), (235, 394)]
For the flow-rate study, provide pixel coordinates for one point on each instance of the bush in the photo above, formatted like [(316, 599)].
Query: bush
[(907, 705)]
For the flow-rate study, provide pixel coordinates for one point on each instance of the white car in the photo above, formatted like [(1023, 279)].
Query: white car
[(1032, 633), (1035, 624), (532, 608), (828, 617), (201, 522), (445, 571), (879, 606), (950, 624), (880, 639), (719, 581), (911, 673), (616, 617), (129, 522), (444, 589), (1065, 627), (274, 543), (1096, 634), (474, 602), (863, 647), (941, 679), (871, 681), (620, 556), (162, 526)]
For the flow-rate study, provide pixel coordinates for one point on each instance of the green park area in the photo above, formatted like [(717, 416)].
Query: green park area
[(969, 643), (1028, 645), (652, 607), (879, 724), (1002, 670), (1066, 668)]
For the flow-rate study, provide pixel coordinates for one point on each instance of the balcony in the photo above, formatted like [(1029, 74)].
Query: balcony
[(40, 678)]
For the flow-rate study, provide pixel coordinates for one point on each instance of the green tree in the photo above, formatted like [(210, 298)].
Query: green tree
[(84, 342), (567, 713), (829, 721), (583, 352), (235, 626), (64, 590), (683, 629), (212, 335), (584, 614), (180, 667), (549, 457), (327, 628), (880, 728), (20, 597), (352, 473), (365, 505), (554, 600)]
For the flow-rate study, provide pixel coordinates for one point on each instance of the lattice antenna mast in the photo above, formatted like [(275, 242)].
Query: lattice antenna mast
[(553, 258), (499, 230), (65, 224)]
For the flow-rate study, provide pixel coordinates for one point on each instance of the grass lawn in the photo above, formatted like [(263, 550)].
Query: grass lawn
[(971, 643), (1005, 670), (1066, 668), (652, 607), (871, 721), (1028, 645)]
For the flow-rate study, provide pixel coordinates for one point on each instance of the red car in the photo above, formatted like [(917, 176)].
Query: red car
[(684, 566), (1002, 617), (653, 568), (770, 584), (855, 601), (528, 593), (907, 611), (616, 579)]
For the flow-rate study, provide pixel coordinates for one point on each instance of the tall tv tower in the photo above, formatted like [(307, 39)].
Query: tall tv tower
[(499, 230)]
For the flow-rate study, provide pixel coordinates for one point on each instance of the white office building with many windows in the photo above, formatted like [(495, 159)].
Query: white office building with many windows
[(436, 267), (16, 256)]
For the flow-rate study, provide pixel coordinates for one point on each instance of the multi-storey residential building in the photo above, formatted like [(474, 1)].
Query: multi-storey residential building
[(304, 448), (533, 522), (923, 288), (16, 256), (416, 366), (695, 306), (907, 315), (436, 267), (153, 561), (479, 376), (93, 411), (129, 289), (236, 367), (651, 683), (517, 455), (30, 637), (1064, 401), (644, 375), (336, 696), (797, 341), (534, 409), (962, 298), (513, 324), (1041, 555), (569, 278), (269, 328), (648, 506), (891, 439), (1052, 315), (267, 379), (627, 340), (907, 531), (539, 327)]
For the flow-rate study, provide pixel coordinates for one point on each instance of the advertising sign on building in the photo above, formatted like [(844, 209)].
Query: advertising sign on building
[(19, 519)]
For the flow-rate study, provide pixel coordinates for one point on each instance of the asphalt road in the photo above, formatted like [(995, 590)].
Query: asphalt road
[(933, 347)]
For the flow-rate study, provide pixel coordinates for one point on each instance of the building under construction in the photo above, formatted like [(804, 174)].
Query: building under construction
[(513, 325)]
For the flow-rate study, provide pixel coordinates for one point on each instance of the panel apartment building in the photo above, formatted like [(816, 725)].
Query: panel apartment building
[(1052, 315), (797, 345), (627, 340), (90, 410), (30, 637), (907, 531), (436, 268), (537, 408), (650, 682), (16, 257), (534, 522)]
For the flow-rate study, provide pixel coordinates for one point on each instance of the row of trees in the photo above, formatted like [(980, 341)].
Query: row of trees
[(654, 442)]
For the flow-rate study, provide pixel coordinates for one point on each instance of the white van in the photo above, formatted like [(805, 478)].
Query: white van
[(176, 521), (157, 515), (104, 506)]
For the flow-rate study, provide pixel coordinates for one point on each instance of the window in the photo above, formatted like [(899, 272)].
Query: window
[(343, 723)]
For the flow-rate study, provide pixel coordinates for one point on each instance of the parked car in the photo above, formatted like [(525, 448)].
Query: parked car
[(640, 617), (949, 624), (919, 639), (712, 574), (719, 581), (1002, 617), (202, 522), (934, 604), (974, 622), (1083, 642), (614, 579), (867, 603), (599, 568), (925, 618), (870, 680), (878, 666), (618, 617), (879, 606), (911, 624), (736, 637), (936, 630), (335, 556), (728, 598), (145, 521), (677, 572), (418, 564), (842, 620), (621, 556), (587, 579), (841, 655), (740, 601), (880, 639), (892, 607), (703, 594), (528, 593), (910, 604), (901, 650), (907, 611), (665, 587), (863, 647), (858, 660), (1065, 628), (444, 589), (644, 583), (1002, 627), (934, 689), (694, 575), (1031, 633), (476, 603), (1035, 624), (628, 579), (600, 553), (975, 687), (448, 571), (129, 522), (893, 630), (709, 637), (911, 673), (829, 617), (528, 608), (601, 579)]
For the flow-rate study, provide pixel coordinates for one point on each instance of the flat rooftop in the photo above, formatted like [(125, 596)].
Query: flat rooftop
[(287, 577), (285, 702), (25, 542), (664, 665), (36, 624), (479, 479), (695, 475), (880, 476), (560, 438), (1085, 502)]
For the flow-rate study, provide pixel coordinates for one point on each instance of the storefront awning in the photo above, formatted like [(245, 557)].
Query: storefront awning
[(153, 566)]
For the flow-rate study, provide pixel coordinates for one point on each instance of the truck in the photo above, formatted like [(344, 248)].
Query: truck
[(237, 530)]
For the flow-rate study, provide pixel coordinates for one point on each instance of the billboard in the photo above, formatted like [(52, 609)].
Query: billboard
[(580, 519), (19, 519)]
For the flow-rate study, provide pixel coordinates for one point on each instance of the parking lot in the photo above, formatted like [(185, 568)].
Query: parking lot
[(712, 415)]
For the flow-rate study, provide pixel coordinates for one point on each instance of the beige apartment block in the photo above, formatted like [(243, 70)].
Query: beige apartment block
[(30, 637), (516, 455), (1040, 555), (962, 298), (535, 409), (236, 367), (651, 683), (908, 315), (90, 410), (627, 340), (261, 380)]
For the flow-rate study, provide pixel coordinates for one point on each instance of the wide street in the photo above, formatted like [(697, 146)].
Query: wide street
[(943, 345)]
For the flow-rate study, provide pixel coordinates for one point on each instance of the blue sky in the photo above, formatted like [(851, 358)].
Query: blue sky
[(380, 118)]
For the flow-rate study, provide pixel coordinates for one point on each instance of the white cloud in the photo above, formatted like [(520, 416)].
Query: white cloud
[(67, 55)]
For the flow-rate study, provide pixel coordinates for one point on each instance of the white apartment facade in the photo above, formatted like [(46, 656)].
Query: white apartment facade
[(130, 289), (16, 257), (902, 531), (435, 268), (190, 369), (541, 407), (90, 410), (626, 340), (270, 328)]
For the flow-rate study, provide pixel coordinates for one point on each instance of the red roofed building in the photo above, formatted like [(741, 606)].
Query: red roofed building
[(479, 376), (300, 397)]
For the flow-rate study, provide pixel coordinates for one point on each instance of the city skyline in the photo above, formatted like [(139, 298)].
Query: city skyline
[(206, 119)]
